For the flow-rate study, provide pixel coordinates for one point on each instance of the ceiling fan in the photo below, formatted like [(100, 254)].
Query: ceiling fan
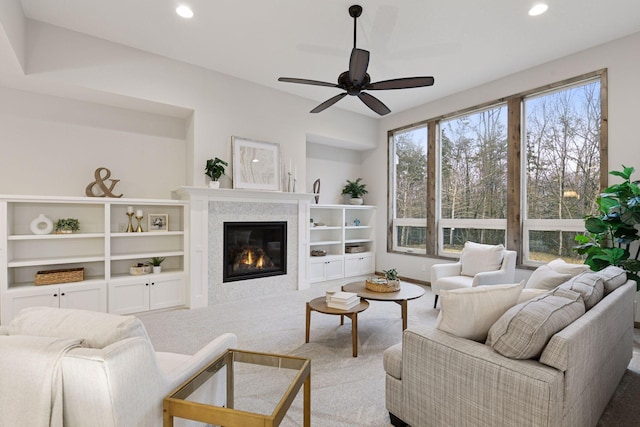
[(356, 79)]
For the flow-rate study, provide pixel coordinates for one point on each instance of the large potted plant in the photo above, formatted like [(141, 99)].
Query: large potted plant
[(214, 170), (356, 190), (611, 233)]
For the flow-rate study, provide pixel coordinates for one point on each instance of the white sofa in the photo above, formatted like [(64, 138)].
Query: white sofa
[(434, 378), (115, 379)]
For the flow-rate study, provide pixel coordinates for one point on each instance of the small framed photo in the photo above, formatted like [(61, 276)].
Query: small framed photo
[(158, 222)]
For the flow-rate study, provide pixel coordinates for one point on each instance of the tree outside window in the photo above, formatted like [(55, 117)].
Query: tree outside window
[(408, 155)]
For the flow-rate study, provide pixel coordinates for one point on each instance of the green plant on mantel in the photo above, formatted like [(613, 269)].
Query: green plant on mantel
[(157, 261), (67, 225), (355, 188), (215, 168), (610, 234)]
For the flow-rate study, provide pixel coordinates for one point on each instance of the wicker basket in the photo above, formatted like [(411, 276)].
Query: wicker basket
[(381, 285), (50, 277)]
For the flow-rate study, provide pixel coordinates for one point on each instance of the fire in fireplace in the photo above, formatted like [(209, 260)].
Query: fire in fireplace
[(254, 249)]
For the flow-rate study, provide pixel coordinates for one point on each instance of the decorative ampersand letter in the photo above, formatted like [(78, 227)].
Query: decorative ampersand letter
[(100, 182)]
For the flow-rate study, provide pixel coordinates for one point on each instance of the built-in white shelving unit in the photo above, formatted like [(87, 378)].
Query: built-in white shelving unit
[(101, 247), (345, 233)]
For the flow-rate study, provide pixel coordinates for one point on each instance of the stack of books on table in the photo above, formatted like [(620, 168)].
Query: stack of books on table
[(344, 300)]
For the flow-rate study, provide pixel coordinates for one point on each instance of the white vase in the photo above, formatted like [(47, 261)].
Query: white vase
[(355, 201), (214, 184), (157, 269), (41, 225)]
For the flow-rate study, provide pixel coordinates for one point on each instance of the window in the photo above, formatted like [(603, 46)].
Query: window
[(522, 171), (562, 139), (408, 184), (473, 179)]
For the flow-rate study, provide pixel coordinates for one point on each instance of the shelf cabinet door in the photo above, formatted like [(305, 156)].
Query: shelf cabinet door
[(356, 266), (166, 292), (128, 296), (85, 297), (18, 300), (334, 269), (326, 269)]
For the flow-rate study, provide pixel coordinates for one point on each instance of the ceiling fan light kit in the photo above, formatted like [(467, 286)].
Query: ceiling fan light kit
[(356, 80)]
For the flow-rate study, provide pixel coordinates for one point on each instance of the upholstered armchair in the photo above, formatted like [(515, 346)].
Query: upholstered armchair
[(110, 376), (479, 265)]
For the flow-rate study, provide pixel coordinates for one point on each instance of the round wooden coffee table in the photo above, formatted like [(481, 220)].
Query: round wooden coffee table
[(408, 291), (320, 305)]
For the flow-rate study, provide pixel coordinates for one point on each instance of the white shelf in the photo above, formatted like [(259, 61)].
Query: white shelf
[(146, 234), (99, 247), (55, 236), (146, 255), (52, 261), (338, 263)]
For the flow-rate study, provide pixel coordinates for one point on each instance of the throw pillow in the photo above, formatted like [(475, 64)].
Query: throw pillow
[(588, 284), (544, 277), (525, 329), (97, 329), (561, 266), (478, 258), (470, 312), (528, 293), (613, 278)]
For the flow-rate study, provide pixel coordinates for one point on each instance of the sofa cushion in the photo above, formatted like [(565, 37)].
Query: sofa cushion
[(478, 258), (613, 277), (561, 266), (525, 329), (588, 284), (544, 277), (470, 312), (97, 329)]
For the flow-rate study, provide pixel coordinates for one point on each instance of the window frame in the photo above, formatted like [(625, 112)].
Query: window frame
[(516, 233)]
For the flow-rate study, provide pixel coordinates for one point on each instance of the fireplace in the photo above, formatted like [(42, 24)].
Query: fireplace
[(254, 249)]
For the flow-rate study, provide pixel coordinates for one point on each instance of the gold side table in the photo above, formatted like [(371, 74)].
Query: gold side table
[(177, 404)]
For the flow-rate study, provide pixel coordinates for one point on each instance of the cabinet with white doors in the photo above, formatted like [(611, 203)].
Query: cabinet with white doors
[(341, 241), (148, 292), (102, 247)]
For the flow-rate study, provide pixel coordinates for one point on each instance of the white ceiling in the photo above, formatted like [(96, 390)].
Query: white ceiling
[(462, 43)]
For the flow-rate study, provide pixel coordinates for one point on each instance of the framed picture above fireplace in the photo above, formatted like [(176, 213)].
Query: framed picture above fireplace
[(256, 164)]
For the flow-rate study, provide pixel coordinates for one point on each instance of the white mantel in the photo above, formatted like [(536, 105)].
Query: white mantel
[(200, 220)]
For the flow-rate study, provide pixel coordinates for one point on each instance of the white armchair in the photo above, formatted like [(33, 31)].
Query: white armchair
[(479, 265), (116, 379)]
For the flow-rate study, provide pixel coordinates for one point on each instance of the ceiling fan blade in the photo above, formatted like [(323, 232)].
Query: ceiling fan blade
[(403, 83), (374, 103), (358, 65), (306, 82), (328, 103)]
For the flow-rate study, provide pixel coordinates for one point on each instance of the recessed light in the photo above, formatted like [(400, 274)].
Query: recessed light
[(538, 9), (184, 11)]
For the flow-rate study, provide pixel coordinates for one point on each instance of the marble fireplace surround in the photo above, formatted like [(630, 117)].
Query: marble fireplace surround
[(209, 209)]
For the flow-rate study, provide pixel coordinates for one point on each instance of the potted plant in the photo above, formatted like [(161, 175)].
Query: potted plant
[(356, 190), (156, 263), (610, 233), (67, 225), (214, 170)]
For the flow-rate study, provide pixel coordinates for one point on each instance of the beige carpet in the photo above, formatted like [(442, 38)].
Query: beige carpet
[(345, 391)]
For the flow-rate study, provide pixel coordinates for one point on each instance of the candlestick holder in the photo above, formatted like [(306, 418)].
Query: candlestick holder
[(290, 182), (130, 226), (139, 228)]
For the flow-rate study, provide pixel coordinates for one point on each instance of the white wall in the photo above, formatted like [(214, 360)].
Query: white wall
[(223, 106), (52, 146), (623, 63), (333, 166)]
